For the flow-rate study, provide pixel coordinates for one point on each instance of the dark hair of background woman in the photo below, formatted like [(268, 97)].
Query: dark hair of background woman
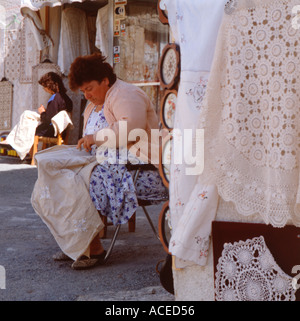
[(53, 81)]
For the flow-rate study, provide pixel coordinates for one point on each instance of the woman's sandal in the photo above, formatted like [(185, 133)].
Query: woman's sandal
[(85, 262)]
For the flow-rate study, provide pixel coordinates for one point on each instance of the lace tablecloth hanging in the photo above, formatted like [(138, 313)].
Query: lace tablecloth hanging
[(252, 115), (2, 52), (29, 53), (6, 100), (12, 54)]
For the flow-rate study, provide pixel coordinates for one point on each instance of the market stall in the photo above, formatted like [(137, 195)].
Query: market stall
[(233, 223)]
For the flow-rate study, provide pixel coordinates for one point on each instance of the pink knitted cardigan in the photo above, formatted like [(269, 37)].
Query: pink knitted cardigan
[(127, 102)]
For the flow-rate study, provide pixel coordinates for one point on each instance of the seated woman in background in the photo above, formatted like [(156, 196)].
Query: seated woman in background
[(52, 84), (33, 123)]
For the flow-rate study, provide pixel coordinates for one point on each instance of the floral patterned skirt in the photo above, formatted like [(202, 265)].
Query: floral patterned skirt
[(114, 194)]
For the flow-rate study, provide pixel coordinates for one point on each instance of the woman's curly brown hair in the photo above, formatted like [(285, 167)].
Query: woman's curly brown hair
[(88, 68), (52, 81)]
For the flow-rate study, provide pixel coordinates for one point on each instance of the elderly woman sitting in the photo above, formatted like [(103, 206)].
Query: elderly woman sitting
[(110, 184)]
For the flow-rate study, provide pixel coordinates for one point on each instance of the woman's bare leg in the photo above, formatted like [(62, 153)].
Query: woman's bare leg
[(96, 247)]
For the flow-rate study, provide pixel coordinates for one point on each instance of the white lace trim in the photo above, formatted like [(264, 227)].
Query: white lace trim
[(252, 115), (247, 271)]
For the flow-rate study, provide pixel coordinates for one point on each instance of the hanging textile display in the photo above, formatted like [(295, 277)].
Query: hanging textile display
[(252, 116), (54, 32), (196, 35), (2, 52), (6, 100), (29, 53), (13, 54), (102, 27), (10, 20), (39, 34), (74, 39)]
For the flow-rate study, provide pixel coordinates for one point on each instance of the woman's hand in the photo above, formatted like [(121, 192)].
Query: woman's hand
[(41, 109), (87, 142)]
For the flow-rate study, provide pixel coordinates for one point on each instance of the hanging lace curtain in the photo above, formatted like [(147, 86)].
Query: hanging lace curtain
[(29, 52), (2, 52), (40, 36), (10, 23), (54, 32), (6, 102), (74, 39), (251, 116)]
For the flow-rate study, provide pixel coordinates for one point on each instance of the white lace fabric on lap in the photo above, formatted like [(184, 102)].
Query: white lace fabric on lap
[(252, 115), (247, 271)]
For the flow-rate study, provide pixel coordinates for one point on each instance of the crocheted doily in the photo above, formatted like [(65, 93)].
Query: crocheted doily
[(247, 271)]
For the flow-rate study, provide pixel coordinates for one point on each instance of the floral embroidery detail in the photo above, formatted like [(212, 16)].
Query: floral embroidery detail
[(45, 193), (230, 6), (203, 195), (177, 170), (198, 92), (179, 203), (203, 243), (168, 219), (80, 225), (179, 17)]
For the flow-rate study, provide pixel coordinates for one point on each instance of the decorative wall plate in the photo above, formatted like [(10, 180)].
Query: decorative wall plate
[(167, 109), (164, 226), (162, 14), (169, 66), (165, 162)]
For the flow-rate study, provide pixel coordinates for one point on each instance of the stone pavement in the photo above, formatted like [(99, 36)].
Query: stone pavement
[(26, 248)]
